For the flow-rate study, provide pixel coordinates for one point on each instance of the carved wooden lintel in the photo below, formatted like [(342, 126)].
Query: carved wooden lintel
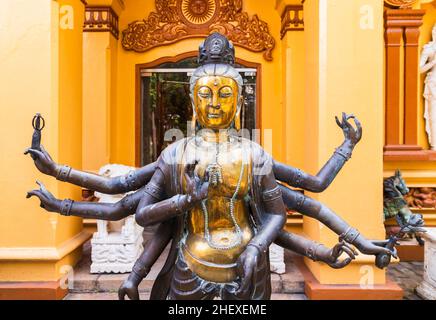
[(292, 19), (175, 20), (101, 19)]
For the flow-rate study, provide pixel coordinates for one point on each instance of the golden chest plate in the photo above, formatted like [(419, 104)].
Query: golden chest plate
[(218, 232)]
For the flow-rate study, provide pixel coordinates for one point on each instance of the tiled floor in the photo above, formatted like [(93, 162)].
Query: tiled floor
[(408, 275)]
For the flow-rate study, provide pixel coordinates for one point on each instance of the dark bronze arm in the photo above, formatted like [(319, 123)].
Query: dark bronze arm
[(146, 260), (134, 180), (300, 179), (316, 251), (92, 210), (314, 209), (274, 217), (131, 181)]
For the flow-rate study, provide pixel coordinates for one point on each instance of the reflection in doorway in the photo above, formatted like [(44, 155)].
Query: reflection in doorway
[(165, 103)]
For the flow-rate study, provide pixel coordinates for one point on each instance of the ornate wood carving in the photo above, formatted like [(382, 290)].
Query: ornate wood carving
[(175, 20), (422, 198), (402, 4), (101, 19), (292, 19)]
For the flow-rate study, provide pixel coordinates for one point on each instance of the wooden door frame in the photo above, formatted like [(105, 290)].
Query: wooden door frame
[(175, 59)]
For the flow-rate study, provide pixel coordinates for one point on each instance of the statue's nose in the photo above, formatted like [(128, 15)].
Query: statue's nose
[(215, 103)]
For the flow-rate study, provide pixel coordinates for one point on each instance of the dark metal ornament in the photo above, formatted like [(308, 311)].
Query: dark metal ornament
[(38, 123), (216, 49)]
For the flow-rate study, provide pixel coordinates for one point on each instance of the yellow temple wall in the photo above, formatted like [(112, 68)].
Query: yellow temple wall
[(40, 59)]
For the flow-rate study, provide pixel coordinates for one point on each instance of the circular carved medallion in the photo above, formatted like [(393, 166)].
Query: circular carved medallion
[(198, 12), (401, 3)]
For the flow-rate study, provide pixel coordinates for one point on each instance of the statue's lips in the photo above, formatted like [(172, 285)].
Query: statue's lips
[(214, 116), (214, 113)]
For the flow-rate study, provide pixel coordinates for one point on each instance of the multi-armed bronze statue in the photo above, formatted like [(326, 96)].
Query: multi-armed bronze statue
[(216, 196)]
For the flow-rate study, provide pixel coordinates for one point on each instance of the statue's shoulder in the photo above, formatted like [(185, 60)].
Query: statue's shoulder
[(259, 156), (170, 153)]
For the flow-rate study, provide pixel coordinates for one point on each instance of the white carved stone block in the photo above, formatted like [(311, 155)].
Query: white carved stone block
[(427, 288), (277, 259), (117, 244)]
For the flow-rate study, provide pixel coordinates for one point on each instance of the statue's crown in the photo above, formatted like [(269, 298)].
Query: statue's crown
[(216, 49)]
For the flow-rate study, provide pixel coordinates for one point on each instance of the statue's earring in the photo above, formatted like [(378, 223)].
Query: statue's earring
[(237, 122), (194, 123)]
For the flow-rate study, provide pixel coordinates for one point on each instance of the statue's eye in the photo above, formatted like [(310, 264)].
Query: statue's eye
[(226, 92), (204, 93)]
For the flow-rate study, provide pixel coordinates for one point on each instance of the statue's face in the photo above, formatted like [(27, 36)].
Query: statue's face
[(216, 101)]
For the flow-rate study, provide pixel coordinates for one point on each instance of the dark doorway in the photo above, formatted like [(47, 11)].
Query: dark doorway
[(165, 103)]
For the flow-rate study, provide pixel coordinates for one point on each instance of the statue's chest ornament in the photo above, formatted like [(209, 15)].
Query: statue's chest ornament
[(216, 177)]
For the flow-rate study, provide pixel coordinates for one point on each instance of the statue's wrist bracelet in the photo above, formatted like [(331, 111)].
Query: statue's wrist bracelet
[(139, 272), (63, 173), (66, 207), (257, 246), (350, 235), (311, 251), (344, 152)]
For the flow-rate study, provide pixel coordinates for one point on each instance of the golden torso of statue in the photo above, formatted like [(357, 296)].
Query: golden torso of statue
[(219, 228)]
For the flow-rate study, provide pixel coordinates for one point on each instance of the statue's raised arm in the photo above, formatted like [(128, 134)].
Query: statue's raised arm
[(299, 179)]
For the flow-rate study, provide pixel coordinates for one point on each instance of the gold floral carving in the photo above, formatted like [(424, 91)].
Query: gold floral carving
[(175, 20), (401, 3)]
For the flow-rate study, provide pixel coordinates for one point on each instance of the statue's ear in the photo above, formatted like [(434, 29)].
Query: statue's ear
[(398, 173)]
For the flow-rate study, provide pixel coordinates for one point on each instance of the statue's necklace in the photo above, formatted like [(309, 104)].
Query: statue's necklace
[(215, 177)]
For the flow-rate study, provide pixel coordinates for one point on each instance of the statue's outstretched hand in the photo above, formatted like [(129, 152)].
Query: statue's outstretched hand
[(129, 288), (333, 256), (351, 134), (246, 270), (374, 247), (196, 188), (48, 201), (43, 160)]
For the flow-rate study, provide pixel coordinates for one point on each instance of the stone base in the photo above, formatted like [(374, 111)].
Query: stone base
[(317, 291), (48, 290), (427, 288), (111, 268), (114, 253), (426, 291)]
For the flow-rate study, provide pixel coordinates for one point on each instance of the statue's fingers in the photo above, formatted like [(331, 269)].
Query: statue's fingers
[(41, 186), (134, 295), (34, 193), (358, 128), (341, 264), (349, 252), (121, 294), (45, 152), (245, 284), (338, 122), (349, 246), (344, 117), (34, 152)]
